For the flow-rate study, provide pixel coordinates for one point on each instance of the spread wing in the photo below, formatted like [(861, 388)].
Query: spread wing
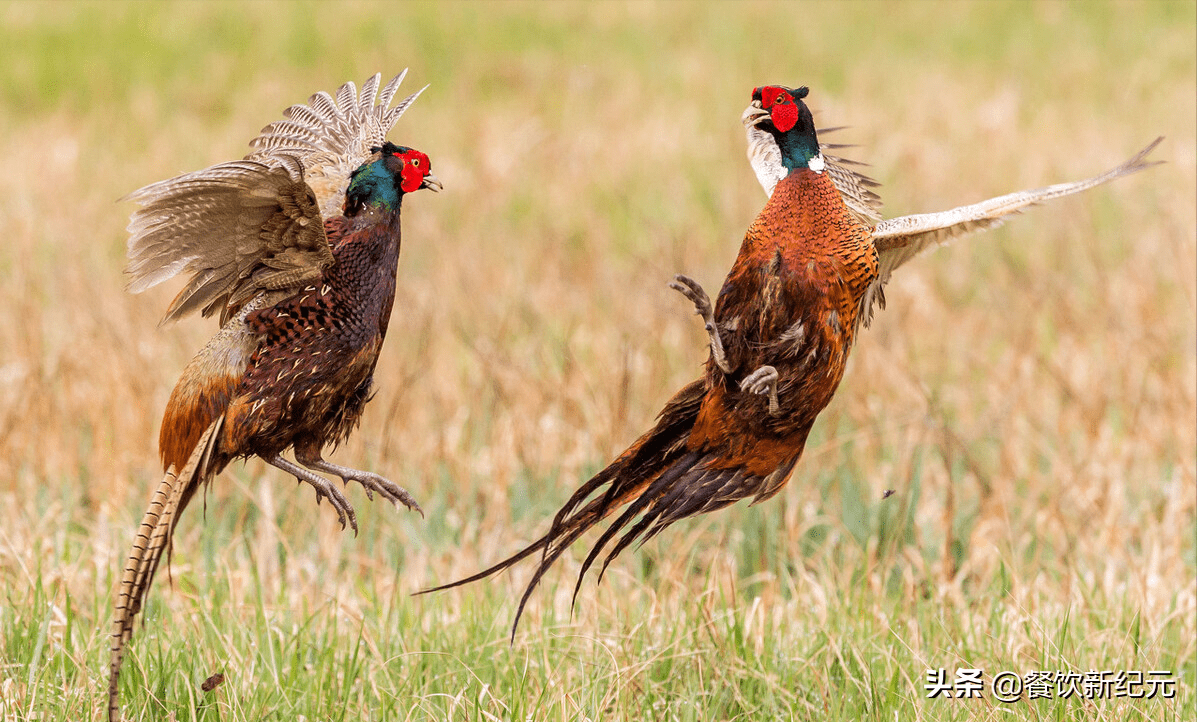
[(334, 137), (900, 239), (236, 228), (258, 224)]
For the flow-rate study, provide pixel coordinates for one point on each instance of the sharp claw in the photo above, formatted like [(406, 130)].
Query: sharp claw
[(370, 481), (702, 307), (763, 382)]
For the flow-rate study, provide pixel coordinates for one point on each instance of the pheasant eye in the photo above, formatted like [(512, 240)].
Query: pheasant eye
[(781, 98), (415, 162)]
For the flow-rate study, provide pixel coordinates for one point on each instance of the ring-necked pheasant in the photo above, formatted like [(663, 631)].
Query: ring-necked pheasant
[(296, 247), (807, 274)]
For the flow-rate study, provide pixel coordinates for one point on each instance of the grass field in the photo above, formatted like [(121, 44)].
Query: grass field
[(1029, 393)]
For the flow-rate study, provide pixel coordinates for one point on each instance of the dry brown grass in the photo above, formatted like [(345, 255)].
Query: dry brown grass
[(1029, 393)]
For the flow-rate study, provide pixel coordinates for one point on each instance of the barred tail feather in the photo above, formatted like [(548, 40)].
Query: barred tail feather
[(153, 538)]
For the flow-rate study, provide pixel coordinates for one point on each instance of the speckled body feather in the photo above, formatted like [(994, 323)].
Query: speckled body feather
[(791, 301), (310, 376)]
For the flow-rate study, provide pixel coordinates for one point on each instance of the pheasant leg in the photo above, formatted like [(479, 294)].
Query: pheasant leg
[(763, 381), (372, 482), (690, 288), (324, 489)]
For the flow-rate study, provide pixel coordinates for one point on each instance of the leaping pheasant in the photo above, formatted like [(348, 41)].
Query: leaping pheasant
[(807, 275), (296, 247)]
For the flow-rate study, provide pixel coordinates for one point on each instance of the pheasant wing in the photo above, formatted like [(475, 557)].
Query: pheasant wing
[(854, 187), (237, 228), (258, 224), (900, 239), (334, 136)]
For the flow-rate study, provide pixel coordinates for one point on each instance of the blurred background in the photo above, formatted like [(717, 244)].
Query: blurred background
[(1029, 393)]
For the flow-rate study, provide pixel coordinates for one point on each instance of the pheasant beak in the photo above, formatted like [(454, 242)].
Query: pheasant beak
[(432, 183), (754, 114)]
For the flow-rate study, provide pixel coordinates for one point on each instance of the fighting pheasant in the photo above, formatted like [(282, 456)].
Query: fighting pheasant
[(809, 270), (296, 246)]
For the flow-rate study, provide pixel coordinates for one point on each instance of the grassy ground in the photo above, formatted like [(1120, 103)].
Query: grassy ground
[(1030, 393)]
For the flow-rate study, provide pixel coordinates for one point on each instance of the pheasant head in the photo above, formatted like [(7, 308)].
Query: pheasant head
[(395, 171), (781, 134)]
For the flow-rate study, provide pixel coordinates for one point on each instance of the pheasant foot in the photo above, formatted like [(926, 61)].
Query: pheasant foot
[(324, 489), (372, 482), (763, 381), (691, 289)]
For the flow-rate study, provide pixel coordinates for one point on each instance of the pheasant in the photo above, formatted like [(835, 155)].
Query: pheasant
[(808, 273), (297, 247)]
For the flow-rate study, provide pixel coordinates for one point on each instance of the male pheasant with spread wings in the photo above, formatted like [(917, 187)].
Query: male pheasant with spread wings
[(296, 247), (808, 273)]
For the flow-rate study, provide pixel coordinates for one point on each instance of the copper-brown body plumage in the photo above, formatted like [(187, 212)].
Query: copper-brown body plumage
[(791, 301)]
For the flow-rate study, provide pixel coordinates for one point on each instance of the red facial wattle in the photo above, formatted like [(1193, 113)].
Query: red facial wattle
[(780, 104), (415, 168)]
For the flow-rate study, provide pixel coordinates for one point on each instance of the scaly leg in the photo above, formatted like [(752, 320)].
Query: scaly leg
[(690, 288), (372, 482), (763, 381), (324, 489)]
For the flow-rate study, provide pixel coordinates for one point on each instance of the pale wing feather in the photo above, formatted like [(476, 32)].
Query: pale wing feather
[(237, 228), (854, 187), (900, 239), (334, 137)]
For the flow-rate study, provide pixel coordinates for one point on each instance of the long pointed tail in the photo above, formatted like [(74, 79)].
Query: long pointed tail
[(153, 538), (628, 479)]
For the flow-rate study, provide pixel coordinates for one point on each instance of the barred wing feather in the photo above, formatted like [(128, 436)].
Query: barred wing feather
[(334, 136), (236, 228), (900, 239)]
